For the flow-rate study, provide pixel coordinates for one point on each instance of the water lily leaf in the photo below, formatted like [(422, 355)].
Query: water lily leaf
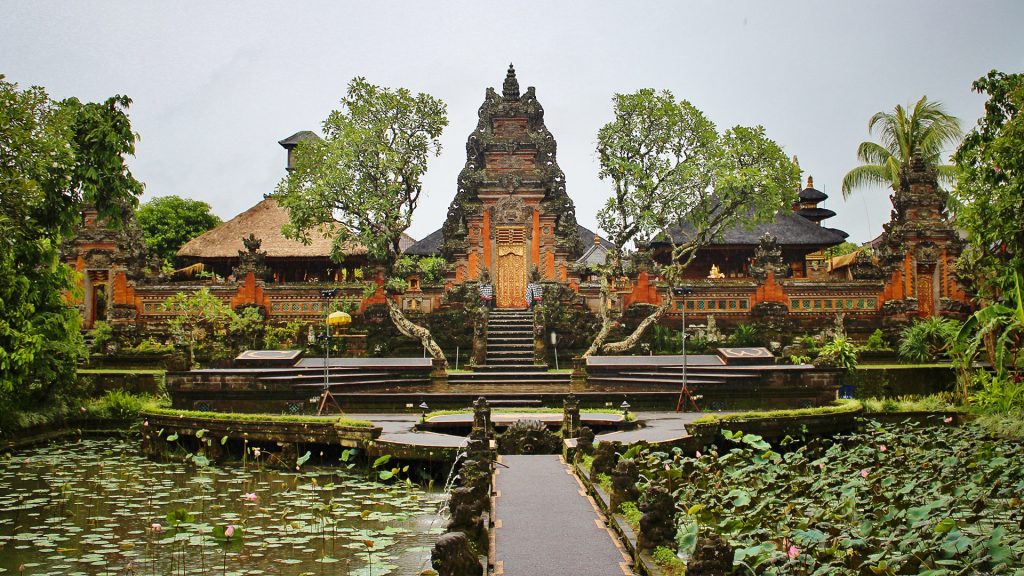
[(224, 440), (172, 438), (201, 432), (944, 526), (303, 459), (381, 461)]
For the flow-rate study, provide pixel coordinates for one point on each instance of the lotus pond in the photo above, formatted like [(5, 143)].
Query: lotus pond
[(97, 507), (890, 499)]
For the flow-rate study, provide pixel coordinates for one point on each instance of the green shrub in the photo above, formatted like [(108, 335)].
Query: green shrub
[(996, 393), (839, 353), (745, 335), (101, 335), (876, 341), (928, 340), (433, 269)]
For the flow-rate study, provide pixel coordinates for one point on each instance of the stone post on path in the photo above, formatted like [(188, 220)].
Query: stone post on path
[(570, 416), (482, 428)]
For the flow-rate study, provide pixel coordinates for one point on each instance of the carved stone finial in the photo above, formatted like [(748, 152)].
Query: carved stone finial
[(510, 90), (810, 181)]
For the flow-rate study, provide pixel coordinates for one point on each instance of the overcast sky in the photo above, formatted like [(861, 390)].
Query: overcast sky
[(216, 85)]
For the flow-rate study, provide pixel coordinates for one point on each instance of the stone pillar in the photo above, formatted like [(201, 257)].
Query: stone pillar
[(439, 373), (482, 429), (480, 335), (570, 416), (712, 556), (579, 373)]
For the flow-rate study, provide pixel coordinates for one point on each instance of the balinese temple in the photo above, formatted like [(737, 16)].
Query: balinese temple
[(511, 214)]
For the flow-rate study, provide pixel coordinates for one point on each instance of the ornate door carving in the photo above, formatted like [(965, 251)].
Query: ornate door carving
[(510, 284)]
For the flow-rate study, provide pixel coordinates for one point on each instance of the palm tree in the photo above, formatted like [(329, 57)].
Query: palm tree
[(926, 131)]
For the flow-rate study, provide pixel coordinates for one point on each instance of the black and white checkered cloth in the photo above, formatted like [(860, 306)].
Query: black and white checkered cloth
[(534, 292), (486, 291)]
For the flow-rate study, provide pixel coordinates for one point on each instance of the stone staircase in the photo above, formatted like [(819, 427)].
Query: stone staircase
[(510, 357)]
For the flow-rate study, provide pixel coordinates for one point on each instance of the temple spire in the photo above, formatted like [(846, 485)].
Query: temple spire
[(510, 90)]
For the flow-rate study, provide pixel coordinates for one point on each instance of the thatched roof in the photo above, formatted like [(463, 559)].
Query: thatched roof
[(265, 220)]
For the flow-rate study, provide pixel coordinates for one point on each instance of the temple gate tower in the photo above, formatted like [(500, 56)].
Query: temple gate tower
[(511, 212)]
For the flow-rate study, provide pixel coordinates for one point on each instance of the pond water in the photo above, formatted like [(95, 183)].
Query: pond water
[(97, 507)]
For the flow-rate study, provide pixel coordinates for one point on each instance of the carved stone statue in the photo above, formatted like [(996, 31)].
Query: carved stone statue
[(658, 523), (768, 258), (624, 478), (585, 442), (529, 436), (454, 556), (712, 557), (252, 259), (604, 457)]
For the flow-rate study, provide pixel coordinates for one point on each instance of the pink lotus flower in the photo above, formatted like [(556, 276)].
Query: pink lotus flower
[(948, 419), (250, 497), (145, 422), (229, 531), (864, 473), (881, 448), (793, 551), (255, 452), (698, 453), (156, 527)]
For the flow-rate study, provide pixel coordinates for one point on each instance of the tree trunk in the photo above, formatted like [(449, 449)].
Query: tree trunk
[(406, 327), (607, 324), (632, 339)]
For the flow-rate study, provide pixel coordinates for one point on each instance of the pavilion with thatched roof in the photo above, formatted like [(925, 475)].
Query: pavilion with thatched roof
[(287, 260)]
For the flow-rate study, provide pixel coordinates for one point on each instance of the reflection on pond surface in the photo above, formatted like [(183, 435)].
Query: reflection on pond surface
[(97, 507)]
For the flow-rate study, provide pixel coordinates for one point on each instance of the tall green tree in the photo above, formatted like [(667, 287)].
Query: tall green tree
[(56, 158), (989, 197), (668, 164), (168, 222), (925, 128), (365, 176)]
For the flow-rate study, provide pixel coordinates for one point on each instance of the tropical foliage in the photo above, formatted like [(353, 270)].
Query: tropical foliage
[(987, 198), (365, 175), (56, 158), (668, 164), (924, 129), (928, 340), (168, 222), (904, 499)]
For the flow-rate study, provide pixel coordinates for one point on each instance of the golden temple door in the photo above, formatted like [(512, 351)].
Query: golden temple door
[(510, 285)]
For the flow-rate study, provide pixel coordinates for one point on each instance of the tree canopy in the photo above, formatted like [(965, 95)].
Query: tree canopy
[(669, 165), (927, 129), (168, 222), (989, 196), (56, 158), (365, 176)]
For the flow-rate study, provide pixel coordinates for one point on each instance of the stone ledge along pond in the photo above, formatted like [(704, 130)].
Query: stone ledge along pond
[(98, 507)]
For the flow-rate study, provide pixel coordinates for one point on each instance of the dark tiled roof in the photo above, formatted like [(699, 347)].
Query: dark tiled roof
[(812, 195), (587, 238), (294, 139), (789, 229), (815, 214), (430, 245)]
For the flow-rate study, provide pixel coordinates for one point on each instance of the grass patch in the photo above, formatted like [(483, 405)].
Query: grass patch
[(289, 418), (1008, 425), (115, 406), (121, 371), (459, 371), (942, 402), (667, 559), (586, 461), (560, 371), (605, 482), (901, 366), (839, 407), (632, 514)]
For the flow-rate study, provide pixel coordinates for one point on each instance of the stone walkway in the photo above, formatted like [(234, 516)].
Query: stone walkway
[(546, 525)]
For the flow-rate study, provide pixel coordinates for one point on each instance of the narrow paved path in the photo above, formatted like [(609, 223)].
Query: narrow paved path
[(546, 525)]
